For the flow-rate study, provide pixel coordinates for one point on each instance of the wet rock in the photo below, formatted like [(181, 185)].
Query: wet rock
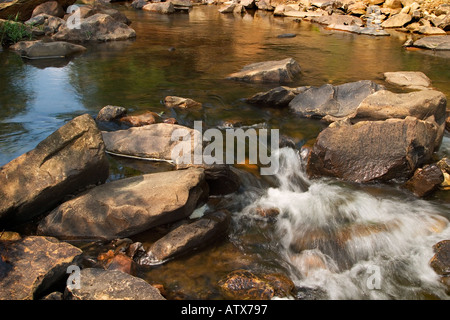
[(139, 120), (139, 4), (425, 180), (245, 285), (53, 296), (150, 142), (267, 212), (408, 79), (221, 178), (34, 264), (373, 150), (434, 42), (397, 21), (122, 263), (269, 71), (24, 8), (180, 102), (188, 237), (70, 159), (110, 113), (98, 284), (334, 101), (278, 97), (287, 35), (52, 8), (9, 236), (444, 165), (39, 49), (99, 27), (160, 7), (441, 260), (129, 206)]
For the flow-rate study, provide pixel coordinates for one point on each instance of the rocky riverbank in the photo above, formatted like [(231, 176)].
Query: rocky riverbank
[(61, 188)]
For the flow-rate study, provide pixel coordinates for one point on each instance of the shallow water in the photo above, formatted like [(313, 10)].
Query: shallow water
[(356, 228)]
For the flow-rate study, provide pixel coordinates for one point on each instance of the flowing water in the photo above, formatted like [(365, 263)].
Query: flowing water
[(335, 240)]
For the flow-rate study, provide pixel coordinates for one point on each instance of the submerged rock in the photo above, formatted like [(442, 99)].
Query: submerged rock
[(188, 237), (278, 97), (99, 27), (245, 285), (70, 159), (33, 265), (129, 206), (270, 71), (39, 49), (98, 284), (373, 150), (334, 101), (180, 102)]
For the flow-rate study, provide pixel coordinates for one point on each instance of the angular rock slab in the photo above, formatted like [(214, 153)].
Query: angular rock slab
[(32, 265), (409, 79), (98, 284), (70, 159), (433, 42), (397, 21), (425, 180), (99, 27), (373, 150), (280, 71), (334, 101), (40, 49), (150, 142), (129, 206), (188, 237)]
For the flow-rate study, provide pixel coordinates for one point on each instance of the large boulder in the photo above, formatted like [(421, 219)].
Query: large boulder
[(408, 79), (33, 264), (39, 49), (149, 142), (333, 101), (270, 71), (69, 160), (187, 237), (373, 150), (433, 42), (423, 104), (99, 27), (24, 8), (98, 284), (129, 206)]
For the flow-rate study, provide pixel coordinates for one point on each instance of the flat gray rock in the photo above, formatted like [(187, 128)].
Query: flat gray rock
[(269, 71)]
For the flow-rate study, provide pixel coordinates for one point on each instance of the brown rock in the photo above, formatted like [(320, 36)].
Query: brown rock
[(33, 265), (69, 160), (25, 8), (425, 180), (373, 150), (98, 284), (188, 237), (109, 113), (52, 8), (397, 21), (9, 236), (122, 263), (269, 71), (162, 7), (179, 102), (139, 120), (129, 206), (441, 260)]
